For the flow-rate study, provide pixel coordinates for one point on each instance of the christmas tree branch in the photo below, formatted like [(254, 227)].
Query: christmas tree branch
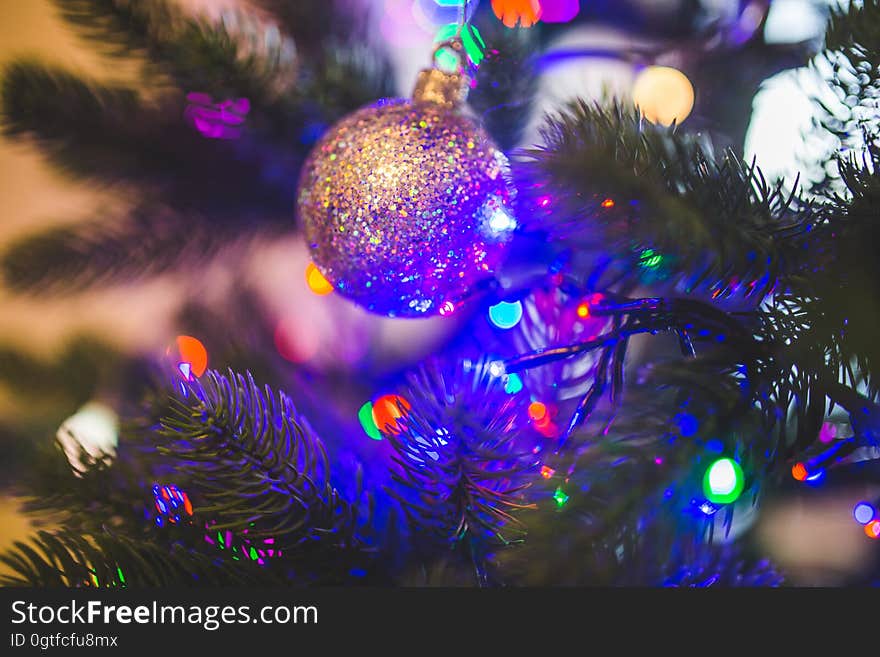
[(143, 242), (506, 80), (69, 558), (460, 466), (211, 58), (254, 460), (656, 198)]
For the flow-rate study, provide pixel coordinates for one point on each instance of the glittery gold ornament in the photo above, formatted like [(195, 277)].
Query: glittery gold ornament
[(406, 204)]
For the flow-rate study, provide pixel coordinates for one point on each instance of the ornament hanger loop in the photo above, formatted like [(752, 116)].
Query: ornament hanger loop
[(456, 45)]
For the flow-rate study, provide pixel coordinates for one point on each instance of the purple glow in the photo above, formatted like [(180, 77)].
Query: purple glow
[(216, 120), (559, 11), (827, 433)]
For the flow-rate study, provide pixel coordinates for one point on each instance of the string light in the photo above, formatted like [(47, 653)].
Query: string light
[(608, 203), (506, 315), (799, 471), (814, 468), (560, 497), (513, 384), (170, 501), (723, 481), (447, 308), (650, 259), (538, 412), (583, 310), (316, 281), (872, 529), (547, 471)]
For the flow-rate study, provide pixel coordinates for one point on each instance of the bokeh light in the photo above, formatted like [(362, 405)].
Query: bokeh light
[(799, 471), (723, 481), (559, 11), (513, 384), (189, 356), (538, 412), (387, 409), (296, 340), (316, 281), (827, 433), (872, 529), (511, 12), (864, 513), (365, 416), (560, 497), (663, 94), (471, 39), (94, 428), (506, 315)]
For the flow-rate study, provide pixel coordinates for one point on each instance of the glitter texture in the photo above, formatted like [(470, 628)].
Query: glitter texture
[(406, 205)]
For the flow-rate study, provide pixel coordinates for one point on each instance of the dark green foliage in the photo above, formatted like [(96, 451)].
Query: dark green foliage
[(197, 56), (193, 193), (772, 300), (252, 458), (459, 458), (145, 242), (713, 221), (72, 377), (71, 559), (506, 81)]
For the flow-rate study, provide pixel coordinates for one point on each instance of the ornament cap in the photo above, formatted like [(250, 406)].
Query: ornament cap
[(436, 86), (447, 89)]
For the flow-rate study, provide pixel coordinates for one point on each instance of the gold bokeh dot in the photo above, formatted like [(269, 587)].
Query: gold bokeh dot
[(663, 94)]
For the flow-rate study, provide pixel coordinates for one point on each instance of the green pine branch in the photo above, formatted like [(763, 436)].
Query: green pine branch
[(70, 378), (197, 55), (143, 242), (506, 81), (253, 459), (111, 133), (68, 558), (658, 199), (460, 470)]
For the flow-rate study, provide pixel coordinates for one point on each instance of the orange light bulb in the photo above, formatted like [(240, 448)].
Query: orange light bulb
[(317, 282)]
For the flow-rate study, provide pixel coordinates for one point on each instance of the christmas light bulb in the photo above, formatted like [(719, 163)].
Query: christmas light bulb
[(506, 315), (723, 481)]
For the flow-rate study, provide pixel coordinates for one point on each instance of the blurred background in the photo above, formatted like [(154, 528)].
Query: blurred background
[(745, 74)]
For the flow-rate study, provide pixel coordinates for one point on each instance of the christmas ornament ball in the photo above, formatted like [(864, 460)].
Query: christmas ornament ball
[(406, 204)]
